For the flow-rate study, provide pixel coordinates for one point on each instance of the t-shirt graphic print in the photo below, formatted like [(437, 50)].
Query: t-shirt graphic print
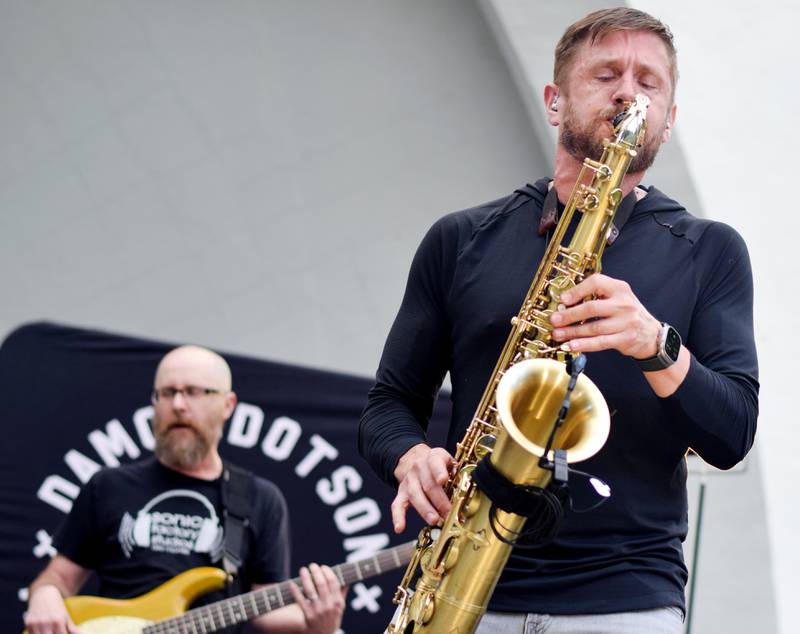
[(178, 521)]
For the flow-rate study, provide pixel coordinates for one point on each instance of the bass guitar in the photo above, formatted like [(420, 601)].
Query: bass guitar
[(163, 610)]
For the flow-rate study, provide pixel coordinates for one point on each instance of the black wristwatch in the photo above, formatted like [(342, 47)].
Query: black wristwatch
[(669, 347)]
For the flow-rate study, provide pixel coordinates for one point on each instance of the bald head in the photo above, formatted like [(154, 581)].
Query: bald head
[(194, 365)]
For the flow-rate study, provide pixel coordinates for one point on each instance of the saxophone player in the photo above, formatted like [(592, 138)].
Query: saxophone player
[(667, 331)]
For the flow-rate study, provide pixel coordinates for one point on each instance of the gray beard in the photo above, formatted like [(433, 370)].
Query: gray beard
[(183, 455)]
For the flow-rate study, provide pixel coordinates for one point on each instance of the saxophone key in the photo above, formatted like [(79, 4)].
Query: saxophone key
[(473, 504), (485, 445), (614, 199)]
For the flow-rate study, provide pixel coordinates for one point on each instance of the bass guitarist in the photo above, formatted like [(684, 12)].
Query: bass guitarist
[(139, 525)]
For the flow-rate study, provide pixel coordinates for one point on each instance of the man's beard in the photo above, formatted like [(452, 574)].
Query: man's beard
[(587, 141), (181, 449)]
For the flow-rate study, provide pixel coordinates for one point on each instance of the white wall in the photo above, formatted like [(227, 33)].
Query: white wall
[(252, 175)]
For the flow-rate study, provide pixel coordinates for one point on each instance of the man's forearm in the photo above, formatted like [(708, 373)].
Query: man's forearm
[(665, 382), (288, 619), (47, 612), (46, 579), (63, 574)]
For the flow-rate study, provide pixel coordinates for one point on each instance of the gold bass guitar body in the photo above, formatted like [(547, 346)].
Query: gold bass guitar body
[(96, 615), (519, 424)]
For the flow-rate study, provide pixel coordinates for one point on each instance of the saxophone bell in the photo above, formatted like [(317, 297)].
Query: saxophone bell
[(529, 397)]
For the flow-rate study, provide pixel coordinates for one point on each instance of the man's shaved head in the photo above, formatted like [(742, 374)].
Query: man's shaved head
[(210, 368)]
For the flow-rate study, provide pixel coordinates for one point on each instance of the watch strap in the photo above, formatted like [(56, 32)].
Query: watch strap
[(662, 359), (653, 364)]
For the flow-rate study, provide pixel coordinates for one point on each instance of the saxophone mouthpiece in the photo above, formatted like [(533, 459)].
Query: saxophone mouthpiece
[(620, 116), (629, 125)]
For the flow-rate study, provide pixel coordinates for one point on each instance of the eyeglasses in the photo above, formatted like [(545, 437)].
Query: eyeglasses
[(190, 392)]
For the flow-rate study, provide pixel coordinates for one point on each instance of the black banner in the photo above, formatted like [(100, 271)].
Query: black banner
[(75, 400)]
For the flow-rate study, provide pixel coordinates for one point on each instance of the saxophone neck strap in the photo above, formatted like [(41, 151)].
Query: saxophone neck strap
[(551, 212)]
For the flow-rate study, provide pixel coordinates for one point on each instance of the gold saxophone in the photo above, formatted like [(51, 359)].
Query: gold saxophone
[(515, 424)]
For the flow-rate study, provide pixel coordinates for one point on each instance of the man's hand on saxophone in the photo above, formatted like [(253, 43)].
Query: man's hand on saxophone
[(618, 319), (421, 474), (613, 318)]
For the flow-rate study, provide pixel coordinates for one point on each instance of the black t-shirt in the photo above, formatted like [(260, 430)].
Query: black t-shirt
[(470, 275), (139, 525)]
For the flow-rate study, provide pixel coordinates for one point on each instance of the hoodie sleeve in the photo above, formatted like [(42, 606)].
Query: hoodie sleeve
[(716, 407), (414, 361)]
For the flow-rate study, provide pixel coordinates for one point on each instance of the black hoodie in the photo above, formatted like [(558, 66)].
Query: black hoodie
[(470, 275)]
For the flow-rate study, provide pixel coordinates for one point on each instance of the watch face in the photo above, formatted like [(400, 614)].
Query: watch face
[(672, 344)]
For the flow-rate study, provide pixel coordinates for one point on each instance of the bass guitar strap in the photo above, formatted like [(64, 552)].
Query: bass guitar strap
[(237, 500)]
